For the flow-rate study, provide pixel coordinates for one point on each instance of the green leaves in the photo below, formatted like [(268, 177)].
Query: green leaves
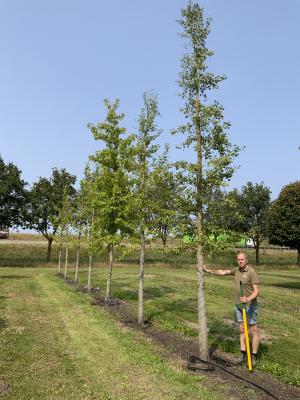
[(13, 195), (110, 188), (285, 217), (205, 130), (46, 200)]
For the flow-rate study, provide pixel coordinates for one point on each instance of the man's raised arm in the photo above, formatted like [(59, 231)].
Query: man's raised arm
[(218, 271)]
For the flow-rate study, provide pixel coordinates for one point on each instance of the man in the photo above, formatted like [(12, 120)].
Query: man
[(250, 285)]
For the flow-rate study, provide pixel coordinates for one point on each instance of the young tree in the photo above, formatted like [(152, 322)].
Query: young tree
[(145, 151), (112, 194), (171, 209), (80, 223), (284, 221), (12, 195), (205, 132), (65, 219), (45, 202), (254, 202)]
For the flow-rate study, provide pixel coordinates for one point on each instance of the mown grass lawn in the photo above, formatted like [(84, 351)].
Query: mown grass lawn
[(55, 345), (170, 304)]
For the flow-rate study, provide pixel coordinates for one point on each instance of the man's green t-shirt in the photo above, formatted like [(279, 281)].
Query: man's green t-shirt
[(248, 277)]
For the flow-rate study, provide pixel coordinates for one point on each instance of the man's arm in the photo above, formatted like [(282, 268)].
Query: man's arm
[(218, 271), (253, 296)]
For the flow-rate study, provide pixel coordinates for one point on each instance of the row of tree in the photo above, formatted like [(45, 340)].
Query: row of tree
[(131, 191)]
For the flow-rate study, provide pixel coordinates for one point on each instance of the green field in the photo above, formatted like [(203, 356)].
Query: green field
[(171, 305), (55, 345)]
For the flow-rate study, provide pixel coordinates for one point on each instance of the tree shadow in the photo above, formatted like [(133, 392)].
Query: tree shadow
[(13, 277), (287, 285), (226, 338), (3, 324), (150, 293)]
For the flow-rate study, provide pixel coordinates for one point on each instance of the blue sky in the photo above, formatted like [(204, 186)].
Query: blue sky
[(60, 59)]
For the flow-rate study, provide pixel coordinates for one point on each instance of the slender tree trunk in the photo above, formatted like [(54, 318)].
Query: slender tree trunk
[(66, 261), (164, 241), (59, 260), (141, 282), (202, 323), (89, 284), (109, 271), (298, 257), (50, 240), (77, 263), (257, 253)]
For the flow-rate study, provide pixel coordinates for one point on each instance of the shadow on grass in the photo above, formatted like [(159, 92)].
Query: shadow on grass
[(287, 285), (13, 277), (226, 338), (149, 293), (3, 324)]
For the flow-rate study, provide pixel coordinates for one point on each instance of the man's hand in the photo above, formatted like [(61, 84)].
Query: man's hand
[(243, 299), (204, 268)]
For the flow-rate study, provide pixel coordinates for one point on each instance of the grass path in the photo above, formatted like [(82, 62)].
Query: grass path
[(54, 345)]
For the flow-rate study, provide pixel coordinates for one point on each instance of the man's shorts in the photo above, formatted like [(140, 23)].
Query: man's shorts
[(251, 312)]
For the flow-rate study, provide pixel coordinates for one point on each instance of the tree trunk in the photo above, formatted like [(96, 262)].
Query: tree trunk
[(164, 241), (66, 261), (50, 240), (109, 269), (298, 257), (77, 263), (141, 282), (59, 260), (202, 323), (257, 254), (89, 284)]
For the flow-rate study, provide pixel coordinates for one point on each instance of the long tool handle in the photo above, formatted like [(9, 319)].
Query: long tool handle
[(246, 331), (247, 340)]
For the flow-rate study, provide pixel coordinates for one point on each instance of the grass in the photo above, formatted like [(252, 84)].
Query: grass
[(54, 345), (171, 305), (170, 298)]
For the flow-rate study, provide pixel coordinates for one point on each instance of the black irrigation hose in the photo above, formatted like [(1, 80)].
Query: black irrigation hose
[(231, 373)]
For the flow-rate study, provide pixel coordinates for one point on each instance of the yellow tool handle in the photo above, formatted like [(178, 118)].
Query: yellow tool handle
[(247, 340)]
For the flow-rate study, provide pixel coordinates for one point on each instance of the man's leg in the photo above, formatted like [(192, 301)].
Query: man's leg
[(255, 338), (255, 342), (243, 354), (242, 337)]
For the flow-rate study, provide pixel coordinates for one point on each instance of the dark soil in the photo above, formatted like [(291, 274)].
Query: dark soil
[(236, 382)]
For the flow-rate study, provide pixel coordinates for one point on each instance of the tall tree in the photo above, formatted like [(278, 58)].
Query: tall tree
[(145, 151), (112, 194), (12, 195), (45, 202), (284, 221), (254, 202), (205, 132)]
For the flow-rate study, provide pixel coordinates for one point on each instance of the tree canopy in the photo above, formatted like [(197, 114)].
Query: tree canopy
[(12, 195), (46, 201), (284, 219)]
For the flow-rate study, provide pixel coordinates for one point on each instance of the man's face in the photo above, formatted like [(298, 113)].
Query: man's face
[(242, 261)]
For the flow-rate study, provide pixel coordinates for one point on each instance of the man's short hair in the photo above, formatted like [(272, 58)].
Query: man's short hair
[(242, 252)]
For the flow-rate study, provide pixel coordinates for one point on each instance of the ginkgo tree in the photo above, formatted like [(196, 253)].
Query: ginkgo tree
[(205, 132), (112, 192), (142, 202)]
